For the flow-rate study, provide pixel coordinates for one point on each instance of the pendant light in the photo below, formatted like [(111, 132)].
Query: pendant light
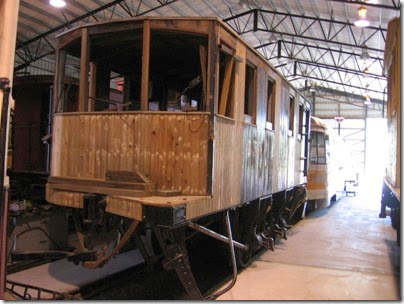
[(362, 21), (243, 3), (367, 100), (365, 55)]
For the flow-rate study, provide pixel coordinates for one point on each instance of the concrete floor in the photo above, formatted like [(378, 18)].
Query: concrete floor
[(344, 252)]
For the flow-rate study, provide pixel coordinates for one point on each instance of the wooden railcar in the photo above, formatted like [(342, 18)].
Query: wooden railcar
[(205, 125), (31, 122), (392, 178), (326, 175), (30, 128)]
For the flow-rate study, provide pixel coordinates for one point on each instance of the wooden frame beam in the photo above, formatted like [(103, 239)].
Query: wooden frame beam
[(144, 95)]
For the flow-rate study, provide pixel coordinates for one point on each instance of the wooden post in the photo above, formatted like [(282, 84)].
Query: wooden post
[(58, 104), (84, 68), (8, 36), (224, 95), (212, 92), (144, 96), (92, 89)]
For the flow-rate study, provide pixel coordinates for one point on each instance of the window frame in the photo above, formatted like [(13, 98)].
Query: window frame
[(292, 102), (271, 104), (229, 111), (250, 119)]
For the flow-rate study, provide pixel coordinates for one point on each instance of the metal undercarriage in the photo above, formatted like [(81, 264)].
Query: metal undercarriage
[(248, 228)]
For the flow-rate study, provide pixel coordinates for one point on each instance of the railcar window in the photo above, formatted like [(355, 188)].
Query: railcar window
[(115, 69), (67, 95), (227, 71), (177, 72), (291, 113), (301, 112), (271, 102), (250, 95), (317, 148), (306, 122)]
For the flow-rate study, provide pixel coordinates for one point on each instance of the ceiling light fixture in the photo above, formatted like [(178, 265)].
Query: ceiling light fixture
[(362, 21), (291, 58), (312, 86), (243, 3), (272, 38), (57, 3), (365, 55), (367, 100)]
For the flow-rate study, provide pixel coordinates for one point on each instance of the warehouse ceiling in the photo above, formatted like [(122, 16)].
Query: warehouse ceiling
[(313, 43)]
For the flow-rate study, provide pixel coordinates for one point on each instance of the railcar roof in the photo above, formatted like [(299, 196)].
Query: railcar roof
[(218, 20)]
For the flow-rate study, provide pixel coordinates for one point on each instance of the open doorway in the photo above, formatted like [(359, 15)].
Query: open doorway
[(376, 141)]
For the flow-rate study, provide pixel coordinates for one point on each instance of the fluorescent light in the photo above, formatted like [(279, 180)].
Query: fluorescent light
[(57, 3)]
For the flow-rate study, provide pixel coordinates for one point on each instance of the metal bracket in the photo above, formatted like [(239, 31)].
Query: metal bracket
[(164, 216), (5, 84), (216, 235)]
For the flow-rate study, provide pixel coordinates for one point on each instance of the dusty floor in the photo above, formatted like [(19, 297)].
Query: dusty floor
[(344, 252)]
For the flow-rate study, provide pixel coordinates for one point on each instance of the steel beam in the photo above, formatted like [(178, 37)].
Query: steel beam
[(43, 36), (335, 68), (307, 45), (299, 35), (395, 6), (342, 93), (335, 82)]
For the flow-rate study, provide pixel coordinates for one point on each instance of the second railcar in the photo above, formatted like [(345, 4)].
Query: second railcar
[(326, 175), (205, 125)]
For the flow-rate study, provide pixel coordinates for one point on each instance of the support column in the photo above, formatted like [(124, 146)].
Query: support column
[(8, 36), (144, 99), (84, 68)]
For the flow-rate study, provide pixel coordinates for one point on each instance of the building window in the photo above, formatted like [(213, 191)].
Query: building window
[(250, 94), (271, 103)]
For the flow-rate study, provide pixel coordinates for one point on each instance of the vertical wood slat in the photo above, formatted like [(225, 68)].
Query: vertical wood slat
[(169, 149), (170, 152), (227, 163), (187, 155), (145, 66), (203, 155)]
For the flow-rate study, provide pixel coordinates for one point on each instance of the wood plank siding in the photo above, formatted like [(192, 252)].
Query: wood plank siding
[(218, 159), (170, 149)]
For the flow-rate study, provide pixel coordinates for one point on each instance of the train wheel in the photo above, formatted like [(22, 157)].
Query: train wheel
[(244, 258), (243, 232)]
